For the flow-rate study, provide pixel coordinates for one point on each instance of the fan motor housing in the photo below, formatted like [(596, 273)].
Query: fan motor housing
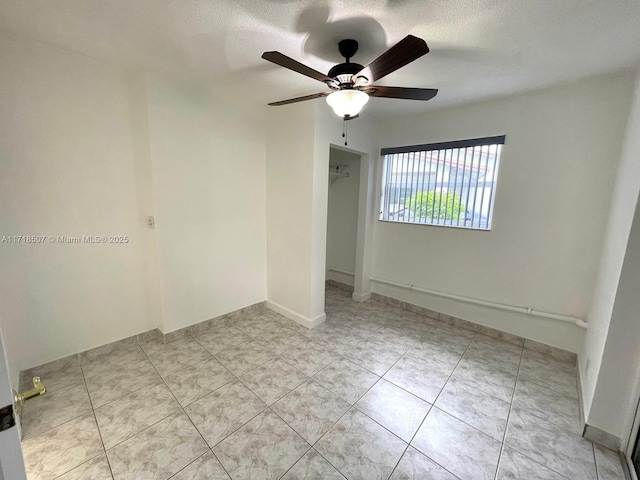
[(345, 69)]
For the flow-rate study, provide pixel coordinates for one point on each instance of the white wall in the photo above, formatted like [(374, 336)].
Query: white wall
[(67, 168), (289, 178), (602, 331), (208, 162), (342, 216), (555, 181), (620, 363)]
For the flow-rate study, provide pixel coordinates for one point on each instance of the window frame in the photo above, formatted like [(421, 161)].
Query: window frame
[(498, 140)]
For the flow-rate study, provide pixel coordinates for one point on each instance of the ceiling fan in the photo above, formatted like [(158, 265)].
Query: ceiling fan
[(350, 84)]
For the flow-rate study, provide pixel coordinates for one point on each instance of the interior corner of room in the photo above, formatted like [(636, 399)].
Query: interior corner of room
[(253, 205)]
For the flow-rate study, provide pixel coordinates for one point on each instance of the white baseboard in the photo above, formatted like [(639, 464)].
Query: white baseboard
[(341, 276), (601, 437), (361, 297), (583, 420), (296, 317), (340, 285), (559, 334), (590, 432)]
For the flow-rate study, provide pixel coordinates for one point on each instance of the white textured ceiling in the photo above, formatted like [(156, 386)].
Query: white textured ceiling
[(479, 48)]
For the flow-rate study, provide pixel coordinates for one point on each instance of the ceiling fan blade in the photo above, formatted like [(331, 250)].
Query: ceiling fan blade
[(407, 50), (299, 99), (348, 117), (401, 92), (287, 62)]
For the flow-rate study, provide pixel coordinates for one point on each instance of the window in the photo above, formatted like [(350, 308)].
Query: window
[(447, 184)]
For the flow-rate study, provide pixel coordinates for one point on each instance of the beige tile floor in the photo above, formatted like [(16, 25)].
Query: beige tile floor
[(374, 393)]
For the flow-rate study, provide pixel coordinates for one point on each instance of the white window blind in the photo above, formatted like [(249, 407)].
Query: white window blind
[(446, 184)]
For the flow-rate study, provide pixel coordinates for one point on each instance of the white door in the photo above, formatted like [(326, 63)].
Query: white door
[(11, 461)]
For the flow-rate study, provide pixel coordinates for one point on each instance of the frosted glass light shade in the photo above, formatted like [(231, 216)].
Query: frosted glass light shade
[(347, 102)]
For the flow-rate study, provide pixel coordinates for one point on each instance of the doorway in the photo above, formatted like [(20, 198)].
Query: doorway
[(632, 450), (342, 217), (636, 457)]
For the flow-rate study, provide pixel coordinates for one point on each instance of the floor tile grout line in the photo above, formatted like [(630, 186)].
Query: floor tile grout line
[(379, 424), (433, 405), (293, 429), (483, 391), (449, 378), (295, 463), (310, 379), (401, 387), (151, 385), (595, 461), (328, 461), (210, 352), (180, 410), (544, 388), (95, 418), (188, 417), (524, 454), (426, 456), (406, 449), (187, 337), (408, 444), (162, 378), (189, 464), (250, 369), (550, 389), (539, 417), (57, 426), (325, 433), (506, 426), (122, 395), (86, 461), (237, 379), (82, 366), (351, 406), (267, 407), (143, 430), (83, 382), (220, 462), (277, 399)]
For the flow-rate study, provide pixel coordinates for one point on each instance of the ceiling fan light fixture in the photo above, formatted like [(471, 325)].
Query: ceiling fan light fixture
[(347, 102)]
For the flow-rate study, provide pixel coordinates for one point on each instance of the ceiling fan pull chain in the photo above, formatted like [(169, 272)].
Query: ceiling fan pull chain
[(344, 130)]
